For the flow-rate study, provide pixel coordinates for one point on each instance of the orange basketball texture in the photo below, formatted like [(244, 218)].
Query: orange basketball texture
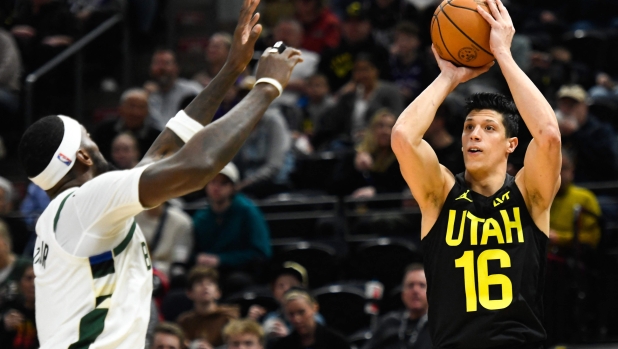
[(460, 34)]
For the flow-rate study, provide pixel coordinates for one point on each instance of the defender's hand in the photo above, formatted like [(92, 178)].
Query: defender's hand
[(278, 66), (502, 29), (458, 75), (245, 35)]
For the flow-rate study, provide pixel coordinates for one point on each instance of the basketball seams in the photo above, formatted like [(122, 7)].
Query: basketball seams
[(461, 31), (442, 39)]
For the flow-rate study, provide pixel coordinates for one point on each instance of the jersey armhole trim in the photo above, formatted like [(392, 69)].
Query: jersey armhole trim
[(125, 242), (60, 209)]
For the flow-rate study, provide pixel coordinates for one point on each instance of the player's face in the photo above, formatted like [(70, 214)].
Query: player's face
[(414, 292), (300, 312), (204, 290), (282, 284), (244, 341), (484, 140), (99, 164), (165, 341)]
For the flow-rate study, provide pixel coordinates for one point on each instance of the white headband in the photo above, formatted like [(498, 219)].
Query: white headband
[(64, 157)]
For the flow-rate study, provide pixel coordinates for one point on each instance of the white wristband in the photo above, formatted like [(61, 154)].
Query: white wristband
[(272, 82), (183, 126)]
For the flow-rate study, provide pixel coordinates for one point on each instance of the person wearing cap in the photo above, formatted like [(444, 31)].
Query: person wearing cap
[(93, 268), (337, 64), (283, 278), (592, 142), (231, 233)]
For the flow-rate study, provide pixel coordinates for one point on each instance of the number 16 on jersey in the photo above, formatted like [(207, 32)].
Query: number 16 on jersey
[(485, 280)]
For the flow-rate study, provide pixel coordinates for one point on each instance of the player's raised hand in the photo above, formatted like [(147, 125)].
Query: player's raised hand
[(245, 35), (502, 29), (458, 74), (277, 65)]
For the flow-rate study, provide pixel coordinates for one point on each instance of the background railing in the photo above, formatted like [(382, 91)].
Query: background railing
[(77, 48)]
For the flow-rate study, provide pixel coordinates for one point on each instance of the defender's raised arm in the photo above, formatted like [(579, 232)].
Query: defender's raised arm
[(205, 104)]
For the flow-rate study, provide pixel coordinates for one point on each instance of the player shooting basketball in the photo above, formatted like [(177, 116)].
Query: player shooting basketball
[(93, 269), (484, 232)]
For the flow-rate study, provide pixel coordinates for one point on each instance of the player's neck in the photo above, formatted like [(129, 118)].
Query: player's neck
[(485, 183)]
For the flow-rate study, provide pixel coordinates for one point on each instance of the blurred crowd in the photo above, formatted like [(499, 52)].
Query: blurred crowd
[(220, 281)]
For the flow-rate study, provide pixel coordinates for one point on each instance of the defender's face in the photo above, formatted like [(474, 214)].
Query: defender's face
[(100, 165), (484, 140)]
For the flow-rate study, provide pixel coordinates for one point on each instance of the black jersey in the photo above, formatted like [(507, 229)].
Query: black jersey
[(485, 267)]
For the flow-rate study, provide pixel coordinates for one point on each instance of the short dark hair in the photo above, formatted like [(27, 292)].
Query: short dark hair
[(199, 273), (39, 144), (498, 103), (171, 329)]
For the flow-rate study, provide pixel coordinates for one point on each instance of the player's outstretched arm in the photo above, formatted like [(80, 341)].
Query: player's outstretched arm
[(428, 180), (210, 149), (543, 158), (205, 104)]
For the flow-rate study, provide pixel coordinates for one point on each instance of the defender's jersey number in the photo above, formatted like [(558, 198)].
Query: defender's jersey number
[(485, 280)]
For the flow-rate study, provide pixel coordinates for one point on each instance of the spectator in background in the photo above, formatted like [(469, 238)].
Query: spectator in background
[(290, 31), (385, 16), (11, 267), (216, 54), (605, 87), (265, 160), (167, 90), (125, 151), (592, 142), (43, 29), (133, 113), (408, 66), (276, 325), (168, 335), (322, 29), (10, 73), (33, 204), (17, 320), (375, 161), (20, 235), (231, 233), (206, 321), (337, 63), (169, 234), (300, 309), (343, 126), (318, 101), (571, 198), (447, 148), (406, 328), (243, 334)]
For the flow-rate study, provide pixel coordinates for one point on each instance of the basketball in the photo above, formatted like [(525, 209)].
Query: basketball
[(460, 34)]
